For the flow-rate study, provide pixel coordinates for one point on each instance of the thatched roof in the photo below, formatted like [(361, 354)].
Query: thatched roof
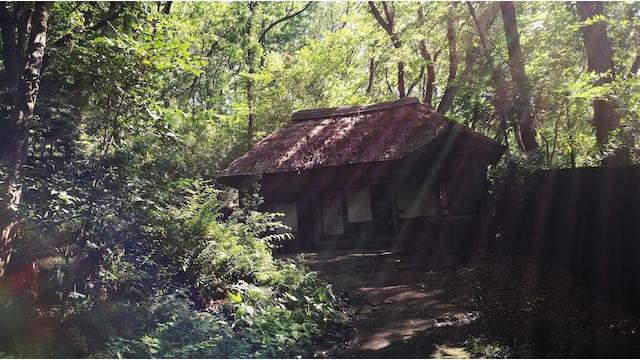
[(348, 135)]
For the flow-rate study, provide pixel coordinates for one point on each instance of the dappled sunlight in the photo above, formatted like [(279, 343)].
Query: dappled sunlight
[(319, 179), (405, 304), (387, 334), (399, 294), (451, 352), (300, 144), (357, 255)]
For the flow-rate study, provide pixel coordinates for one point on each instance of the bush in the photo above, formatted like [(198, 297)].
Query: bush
[(122, 251), (279, 306), (235, 299), (285, 317), (236, 250), (174, 330)]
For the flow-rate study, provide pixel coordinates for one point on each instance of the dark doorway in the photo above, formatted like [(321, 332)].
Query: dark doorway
[(382, 210), (308, 232)]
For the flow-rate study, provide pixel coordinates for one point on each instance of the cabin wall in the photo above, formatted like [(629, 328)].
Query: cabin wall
[(371, 205)]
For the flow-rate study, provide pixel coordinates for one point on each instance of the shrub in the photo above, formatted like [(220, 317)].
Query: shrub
[(236, 251), (174, 330), (172, 236), (285, 315)]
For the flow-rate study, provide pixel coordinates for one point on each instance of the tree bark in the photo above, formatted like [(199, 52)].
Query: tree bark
[(14, 36), (430, 79), (479, 27), (387, 23), (471, 59), (250, 58), (635, 66), (167, 7), (599, 55), (14, 146), (372, 69), (427, 95), (521, 100), (447, 98)]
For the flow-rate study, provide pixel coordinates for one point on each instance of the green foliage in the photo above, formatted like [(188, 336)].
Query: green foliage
[(513, 172), (237, 251), (174, 330), (246, 302), (136, 115), (482, 349), (286, 313)]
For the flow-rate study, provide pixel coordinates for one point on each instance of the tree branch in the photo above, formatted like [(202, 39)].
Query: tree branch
[(395, 40), (288, 16), (481, 34), (447, 97), (376, 13), (389, 13), (386, 79), (372, 69), (417, 80), (635, 66), (110, 15), (427, 96), (470, 62), (167, 7)]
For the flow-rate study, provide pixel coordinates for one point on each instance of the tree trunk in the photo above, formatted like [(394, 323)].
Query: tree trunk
[(251, 65), (447, 98), (500, 98), (479, 27), (635, 66), (14, 146), (372, 69), (401, 88), (600, 60), (254, 61), (387, 23), (427, 95), (471, 58), (14, 36), (521, 101)]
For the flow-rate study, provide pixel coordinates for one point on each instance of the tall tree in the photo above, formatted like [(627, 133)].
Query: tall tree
[(255, 51), (521, 101), (250, 59), (599, 55), (500, 96), (472, 56), (13, 143), (387, 22), (430, 59), (449, 93)]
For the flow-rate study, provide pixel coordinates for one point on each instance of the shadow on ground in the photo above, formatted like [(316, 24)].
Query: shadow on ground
[(417, 306)]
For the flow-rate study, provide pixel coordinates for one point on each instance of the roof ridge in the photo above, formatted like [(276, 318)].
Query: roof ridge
[(323, 113)]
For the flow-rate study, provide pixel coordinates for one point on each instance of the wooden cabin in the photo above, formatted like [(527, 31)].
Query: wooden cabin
[(379, 175)]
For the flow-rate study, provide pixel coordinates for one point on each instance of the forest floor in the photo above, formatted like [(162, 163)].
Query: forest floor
[(404, 306)]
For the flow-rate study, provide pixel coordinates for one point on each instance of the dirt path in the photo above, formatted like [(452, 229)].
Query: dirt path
[(413, 306), (408, 302)]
